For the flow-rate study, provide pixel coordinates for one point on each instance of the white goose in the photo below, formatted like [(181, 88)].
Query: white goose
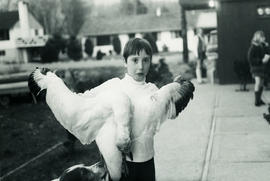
[(106, 117)]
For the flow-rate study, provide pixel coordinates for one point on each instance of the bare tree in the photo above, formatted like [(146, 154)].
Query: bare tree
[(59, 16), (131, 7), (48, 13), (75, 14), (8, 5), (128, 7)]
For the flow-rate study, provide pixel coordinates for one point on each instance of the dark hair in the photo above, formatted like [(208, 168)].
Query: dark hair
[(135, 45)]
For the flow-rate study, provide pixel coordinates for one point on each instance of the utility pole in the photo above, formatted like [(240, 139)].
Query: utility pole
[(184, 32)]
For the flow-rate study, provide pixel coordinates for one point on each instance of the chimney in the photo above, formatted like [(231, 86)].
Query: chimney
[(158, 11), (23, 17)]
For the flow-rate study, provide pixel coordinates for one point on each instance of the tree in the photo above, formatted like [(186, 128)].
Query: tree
[(48, 13), (140, 7), (130, 7), (50, 52), (88, 47), (8, 5), (74, 49), (59, 16), (127, 7), (75, 15), (116, 45), (150, 38)]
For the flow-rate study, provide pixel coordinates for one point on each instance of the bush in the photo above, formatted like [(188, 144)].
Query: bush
[(88, 47), (74, 49), (159, 74), (150, 38), (81, 80), (60, 43), (100, 55), (116, 45), (50, 52)]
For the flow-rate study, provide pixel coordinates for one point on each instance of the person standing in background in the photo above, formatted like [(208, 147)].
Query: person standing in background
[(200, 54), (258, 58)]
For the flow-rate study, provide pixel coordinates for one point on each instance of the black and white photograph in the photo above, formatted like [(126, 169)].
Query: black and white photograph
[(134, 90)]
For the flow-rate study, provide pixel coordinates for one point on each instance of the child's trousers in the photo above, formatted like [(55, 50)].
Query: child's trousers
[(140, 171)]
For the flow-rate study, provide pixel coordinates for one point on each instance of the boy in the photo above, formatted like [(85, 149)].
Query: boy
[(144, 122), (137, 59), (121, 115), (201, 54)]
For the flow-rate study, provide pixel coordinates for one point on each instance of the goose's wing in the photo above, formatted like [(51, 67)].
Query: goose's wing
[(83, 116), (173, 98)]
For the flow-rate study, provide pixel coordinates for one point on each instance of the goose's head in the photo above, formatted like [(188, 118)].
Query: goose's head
[(80, 172)]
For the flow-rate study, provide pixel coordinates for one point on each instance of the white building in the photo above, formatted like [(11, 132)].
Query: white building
[(21, 35), (165, 27)]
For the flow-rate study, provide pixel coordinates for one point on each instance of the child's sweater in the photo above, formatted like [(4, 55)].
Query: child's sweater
[(143, 128)]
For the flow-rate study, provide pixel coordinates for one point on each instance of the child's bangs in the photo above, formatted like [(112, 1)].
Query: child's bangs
[(135, 46), (141, 45)]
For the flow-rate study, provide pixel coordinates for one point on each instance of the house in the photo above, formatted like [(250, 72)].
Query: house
[(21, 36), (165, 27)]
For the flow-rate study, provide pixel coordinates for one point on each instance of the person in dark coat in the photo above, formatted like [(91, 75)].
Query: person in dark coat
[(258, 58), (200, 54)]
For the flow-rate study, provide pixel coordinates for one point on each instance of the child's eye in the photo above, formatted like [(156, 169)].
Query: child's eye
[(135, 60), (146, 60)]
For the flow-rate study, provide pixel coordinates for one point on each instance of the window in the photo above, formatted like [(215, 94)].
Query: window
[(2, 52), (103, 40), (176, 34), (36, 32), (4, 34)]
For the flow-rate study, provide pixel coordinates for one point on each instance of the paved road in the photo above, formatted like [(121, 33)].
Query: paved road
[(221, 136)]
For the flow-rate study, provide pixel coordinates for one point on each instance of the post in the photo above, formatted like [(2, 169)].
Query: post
[(184, 33)]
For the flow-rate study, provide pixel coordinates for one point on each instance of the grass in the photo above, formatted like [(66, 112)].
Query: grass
[(27, 130)]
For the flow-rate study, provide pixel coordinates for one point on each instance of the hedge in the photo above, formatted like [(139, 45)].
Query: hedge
[(80, 80)]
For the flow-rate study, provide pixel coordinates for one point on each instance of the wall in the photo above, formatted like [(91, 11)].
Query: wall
[(174, 44), (237, 21), (11, 55)]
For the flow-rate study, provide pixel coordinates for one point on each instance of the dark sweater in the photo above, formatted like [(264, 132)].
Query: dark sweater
[(255, 56)]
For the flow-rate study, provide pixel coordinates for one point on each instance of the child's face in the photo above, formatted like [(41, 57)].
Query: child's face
[(138, 65)]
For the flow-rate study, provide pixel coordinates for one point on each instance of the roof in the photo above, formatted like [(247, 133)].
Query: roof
[(195, 4), (8, 19), (97, 26), (131, 24)]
